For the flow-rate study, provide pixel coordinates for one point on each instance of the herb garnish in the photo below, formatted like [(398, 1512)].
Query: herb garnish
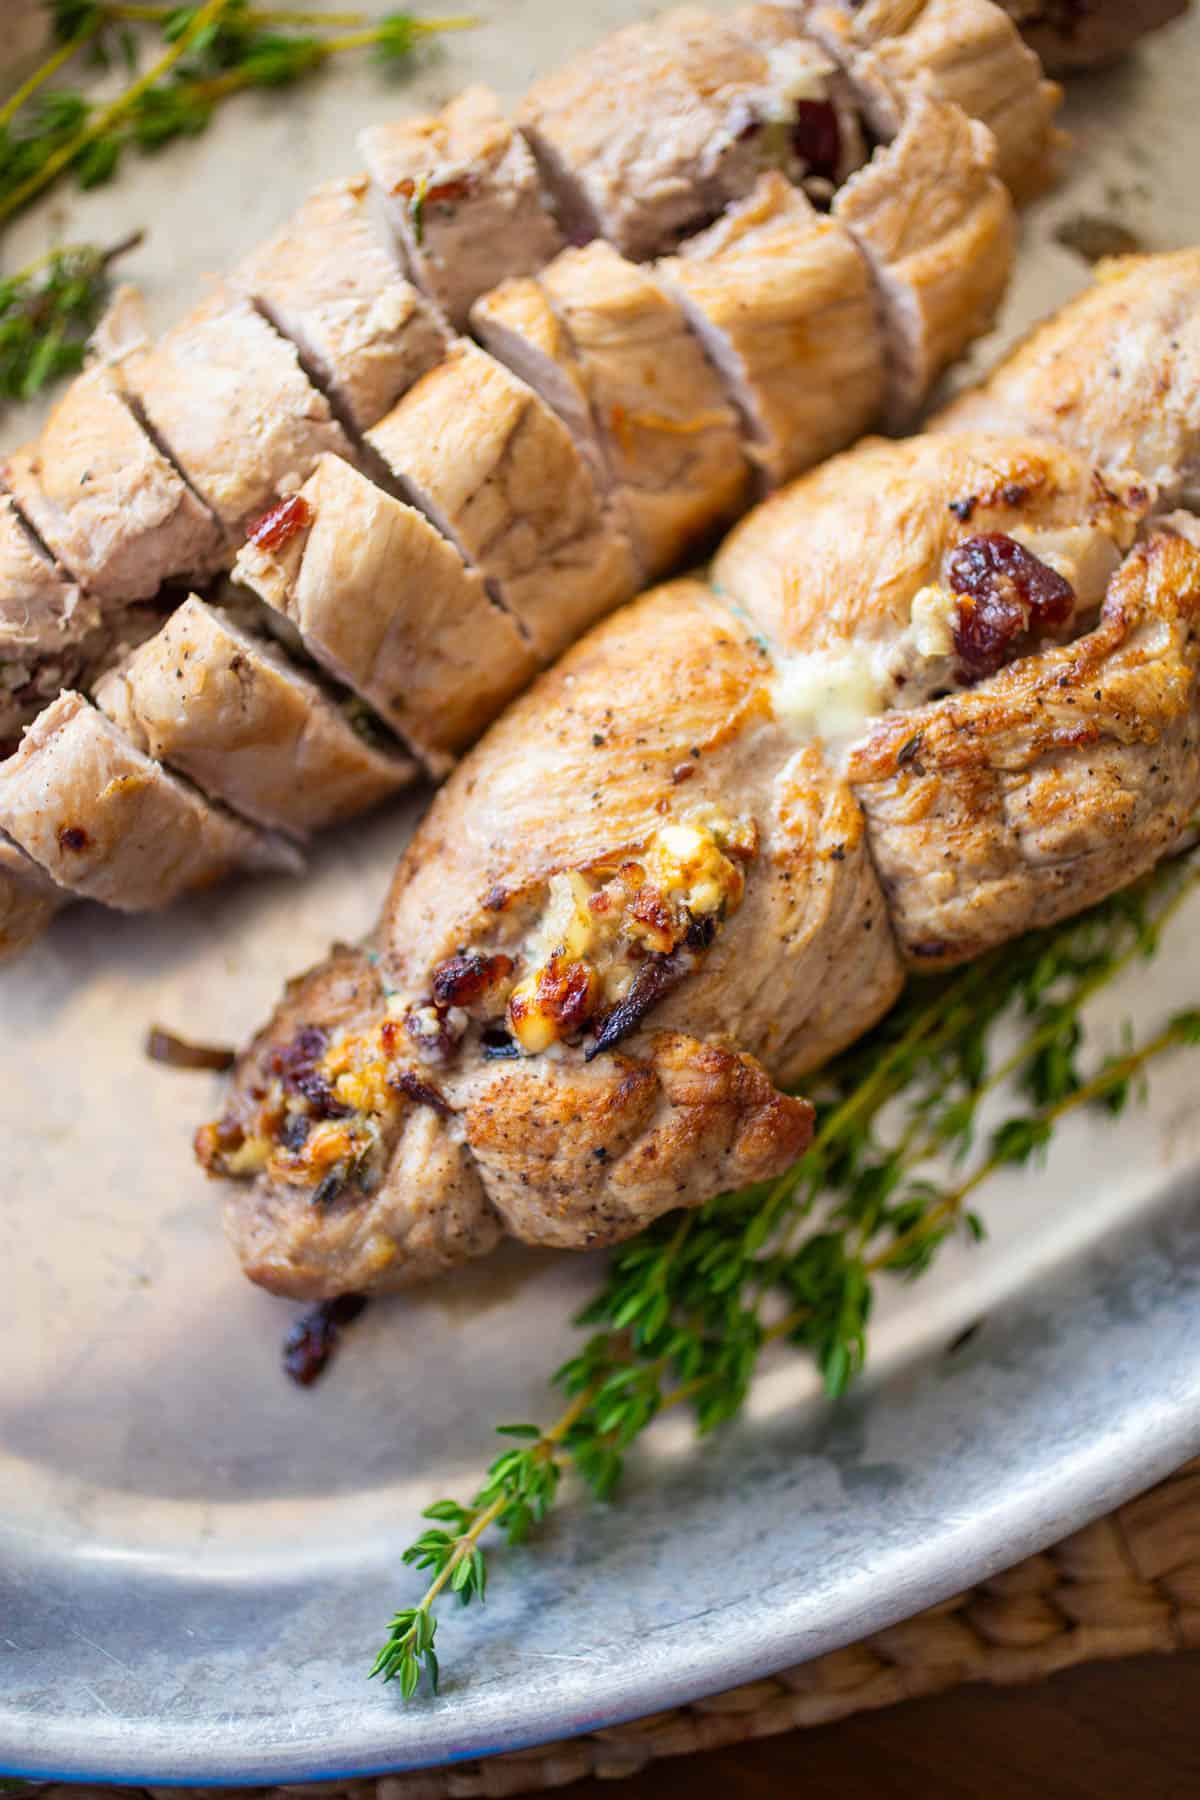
[(688, 1309), (206, 53), (49, 310)]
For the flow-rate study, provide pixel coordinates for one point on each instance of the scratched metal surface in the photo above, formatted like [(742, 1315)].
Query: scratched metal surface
[(196, 1559)]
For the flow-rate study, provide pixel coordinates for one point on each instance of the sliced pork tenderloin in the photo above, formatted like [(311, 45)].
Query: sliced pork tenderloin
[(499, 474), (784, 302), (122, 328), (380, 599), (936, 225), (1115, 373), (49, 632), (104, 821), (1040, 791), (463, 197), (965, 51), (669, 436), (226, 397), (648, 136), (330, 283), (517, 325), (28, 899), (106, 502), (234, 714)]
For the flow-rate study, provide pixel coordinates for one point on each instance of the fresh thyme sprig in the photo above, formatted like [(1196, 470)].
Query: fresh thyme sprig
[(48, 311), (208, 52), (688, 1309)]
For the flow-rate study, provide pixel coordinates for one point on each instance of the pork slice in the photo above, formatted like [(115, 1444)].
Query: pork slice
[(383, 602), (1052, 785), (965, 51), (463, 197), (28, 899), (1068, 35), (648, 136), (105, 501), (670, 438), (499, 473), (1115, 374), (122, 328), (328, 282), (227, 398), (105, 822), (235, 715), (783, 300), (936, 225), (48, 630), (517, 325)]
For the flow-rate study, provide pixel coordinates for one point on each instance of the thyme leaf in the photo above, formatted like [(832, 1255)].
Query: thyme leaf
[(205, 53), (687, 1310), (47, 313)]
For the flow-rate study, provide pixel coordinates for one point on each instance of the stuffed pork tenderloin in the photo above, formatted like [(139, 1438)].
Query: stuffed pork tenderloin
[(937, 692), (628, 412)]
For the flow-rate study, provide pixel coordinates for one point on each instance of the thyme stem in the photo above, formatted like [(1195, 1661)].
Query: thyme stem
[(60, 159), (49, 68), (1113, 1075)]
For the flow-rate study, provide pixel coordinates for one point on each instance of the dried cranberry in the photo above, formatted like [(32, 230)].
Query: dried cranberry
[(273, 529), (817, 137), (565, 992), (467, 977), (314, 1337), (1005, 594)]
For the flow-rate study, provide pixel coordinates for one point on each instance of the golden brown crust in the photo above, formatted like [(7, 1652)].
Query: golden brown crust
[(1057, 782), (579, 1157)]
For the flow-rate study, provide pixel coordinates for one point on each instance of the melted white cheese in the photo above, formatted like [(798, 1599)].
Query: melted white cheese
[(830, 695)]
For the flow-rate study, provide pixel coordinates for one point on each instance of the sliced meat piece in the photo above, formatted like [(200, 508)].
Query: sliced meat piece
[(383, 602), (328, 282), (123, 327), (427, 1213), (227, 398), (106, 822), (1115, 374), (28, 900), (649, 135), (1067, 35), (235, 715), (463, 197), (936, 225), (965, 51), (784, 302), (669, 436), (517, 325), (901, 570), (104, 500), (499, 473), (49, 632), (1054, 784)]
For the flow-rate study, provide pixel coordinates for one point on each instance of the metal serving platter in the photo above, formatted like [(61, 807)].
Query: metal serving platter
[(197, 1559)]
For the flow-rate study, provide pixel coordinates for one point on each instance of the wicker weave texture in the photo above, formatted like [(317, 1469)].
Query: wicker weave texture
[(1126, 1585)]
